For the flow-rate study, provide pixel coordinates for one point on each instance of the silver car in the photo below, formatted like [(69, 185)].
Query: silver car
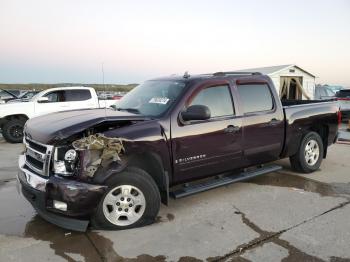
[(343, 97)]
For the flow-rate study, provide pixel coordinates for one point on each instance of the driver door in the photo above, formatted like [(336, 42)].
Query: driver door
[(204, 148), (57, 102)]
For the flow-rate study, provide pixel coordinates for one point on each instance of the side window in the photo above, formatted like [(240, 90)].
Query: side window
[(56, 96), (77, 95), (255, 97), (217, 99)]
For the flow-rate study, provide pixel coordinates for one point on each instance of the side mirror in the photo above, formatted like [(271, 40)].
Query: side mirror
[(43, 99), (196, 112)]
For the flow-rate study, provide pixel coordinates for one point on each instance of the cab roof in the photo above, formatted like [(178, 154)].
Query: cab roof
[(218, 75)]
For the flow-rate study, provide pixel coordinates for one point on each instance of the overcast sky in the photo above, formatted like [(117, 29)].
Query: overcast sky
[(68, 40)]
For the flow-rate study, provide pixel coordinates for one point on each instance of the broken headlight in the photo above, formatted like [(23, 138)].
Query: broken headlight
[(70, 155), (64, 162)]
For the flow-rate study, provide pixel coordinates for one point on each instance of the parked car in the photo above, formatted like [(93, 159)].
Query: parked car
[(13, 116), (15, 92), (325, 92), (113, 168), (25, 97), (104, 96), (117, 97), (6, 96), (29, 94), (343, 97)]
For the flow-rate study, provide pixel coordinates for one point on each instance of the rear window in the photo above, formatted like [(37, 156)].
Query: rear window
[(77, 95), (255, 97)]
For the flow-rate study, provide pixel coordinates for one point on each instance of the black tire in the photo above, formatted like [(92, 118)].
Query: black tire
[(298, 161), (12, 130), (145, 183)]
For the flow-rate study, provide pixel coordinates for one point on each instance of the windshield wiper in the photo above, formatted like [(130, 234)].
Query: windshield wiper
[(131, 110)]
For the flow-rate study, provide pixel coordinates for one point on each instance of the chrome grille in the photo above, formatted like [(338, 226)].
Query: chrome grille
[(37, 156)]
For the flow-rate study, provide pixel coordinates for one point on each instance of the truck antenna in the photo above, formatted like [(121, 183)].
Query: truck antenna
[(186, 75), (104, 86), (103, 74)]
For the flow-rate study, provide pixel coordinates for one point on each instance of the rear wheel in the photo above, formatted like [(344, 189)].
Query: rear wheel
[(12, 130), (132, 200), (310, 154)]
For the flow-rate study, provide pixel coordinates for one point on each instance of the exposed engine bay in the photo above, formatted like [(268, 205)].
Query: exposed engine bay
[(84, 153), (98, 150)]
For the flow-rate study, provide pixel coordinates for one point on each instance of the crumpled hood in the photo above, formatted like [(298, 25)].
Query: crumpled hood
[(51, 128)]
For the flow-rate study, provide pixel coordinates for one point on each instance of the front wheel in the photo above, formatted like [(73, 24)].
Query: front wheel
[(310, 154), (12, 131), (132, 200)]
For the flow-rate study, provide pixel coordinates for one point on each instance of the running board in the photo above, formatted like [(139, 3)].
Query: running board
[(217, 182)]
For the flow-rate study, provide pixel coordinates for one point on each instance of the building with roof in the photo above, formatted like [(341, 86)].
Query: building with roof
[(291, 81)]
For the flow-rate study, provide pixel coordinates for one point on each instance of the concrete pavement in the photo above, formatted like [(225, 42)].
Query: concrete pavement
[(280, 216), (335, 169), (9, 157)]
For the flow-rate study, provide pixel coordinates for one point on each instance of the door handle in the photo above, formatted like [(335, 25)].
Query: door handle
[(232, 129), (274, 121)]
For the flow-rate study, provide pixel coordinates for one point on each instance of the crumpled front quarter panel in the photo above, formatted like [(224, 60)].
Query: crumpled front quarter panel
[(144, 137)]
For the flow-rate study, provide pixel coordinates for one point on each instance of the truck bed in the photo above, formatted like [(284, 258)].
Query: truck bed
[(304, 115), (287, 103)]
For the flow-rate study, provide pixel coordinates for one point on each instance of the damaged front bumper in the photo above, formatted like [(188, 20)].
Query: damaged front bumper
[(81, 198)]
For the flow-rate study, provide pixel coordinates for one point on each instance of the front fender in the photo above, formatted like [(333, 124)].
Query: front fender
[(146, 147)]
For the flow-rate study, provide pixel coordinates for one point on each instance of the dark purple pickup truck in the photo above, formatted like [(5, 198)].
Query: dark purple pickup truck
[(172, 136)]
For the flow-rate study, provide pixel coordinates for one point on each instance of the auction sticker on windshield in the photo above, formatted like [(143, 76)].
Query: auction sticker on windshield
[(159, 100)]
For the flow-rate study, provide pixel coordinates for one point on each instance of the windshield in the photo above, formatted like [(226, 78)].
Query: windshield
[(33, 98), (29, 95), (151, 98), (332, 90), (6, 95)]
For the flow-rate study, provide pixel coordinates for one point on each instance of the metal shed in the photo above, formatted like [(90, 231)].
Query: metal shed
[(291, 81)]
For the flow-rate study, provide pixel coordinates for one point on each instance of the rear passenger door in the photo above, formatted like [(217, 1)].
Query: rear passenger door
[(203, 148), (263, 122)]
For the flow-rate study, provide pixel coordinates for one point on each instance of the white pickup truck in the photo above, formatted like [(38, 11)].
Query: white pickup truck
[(14, 115)]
